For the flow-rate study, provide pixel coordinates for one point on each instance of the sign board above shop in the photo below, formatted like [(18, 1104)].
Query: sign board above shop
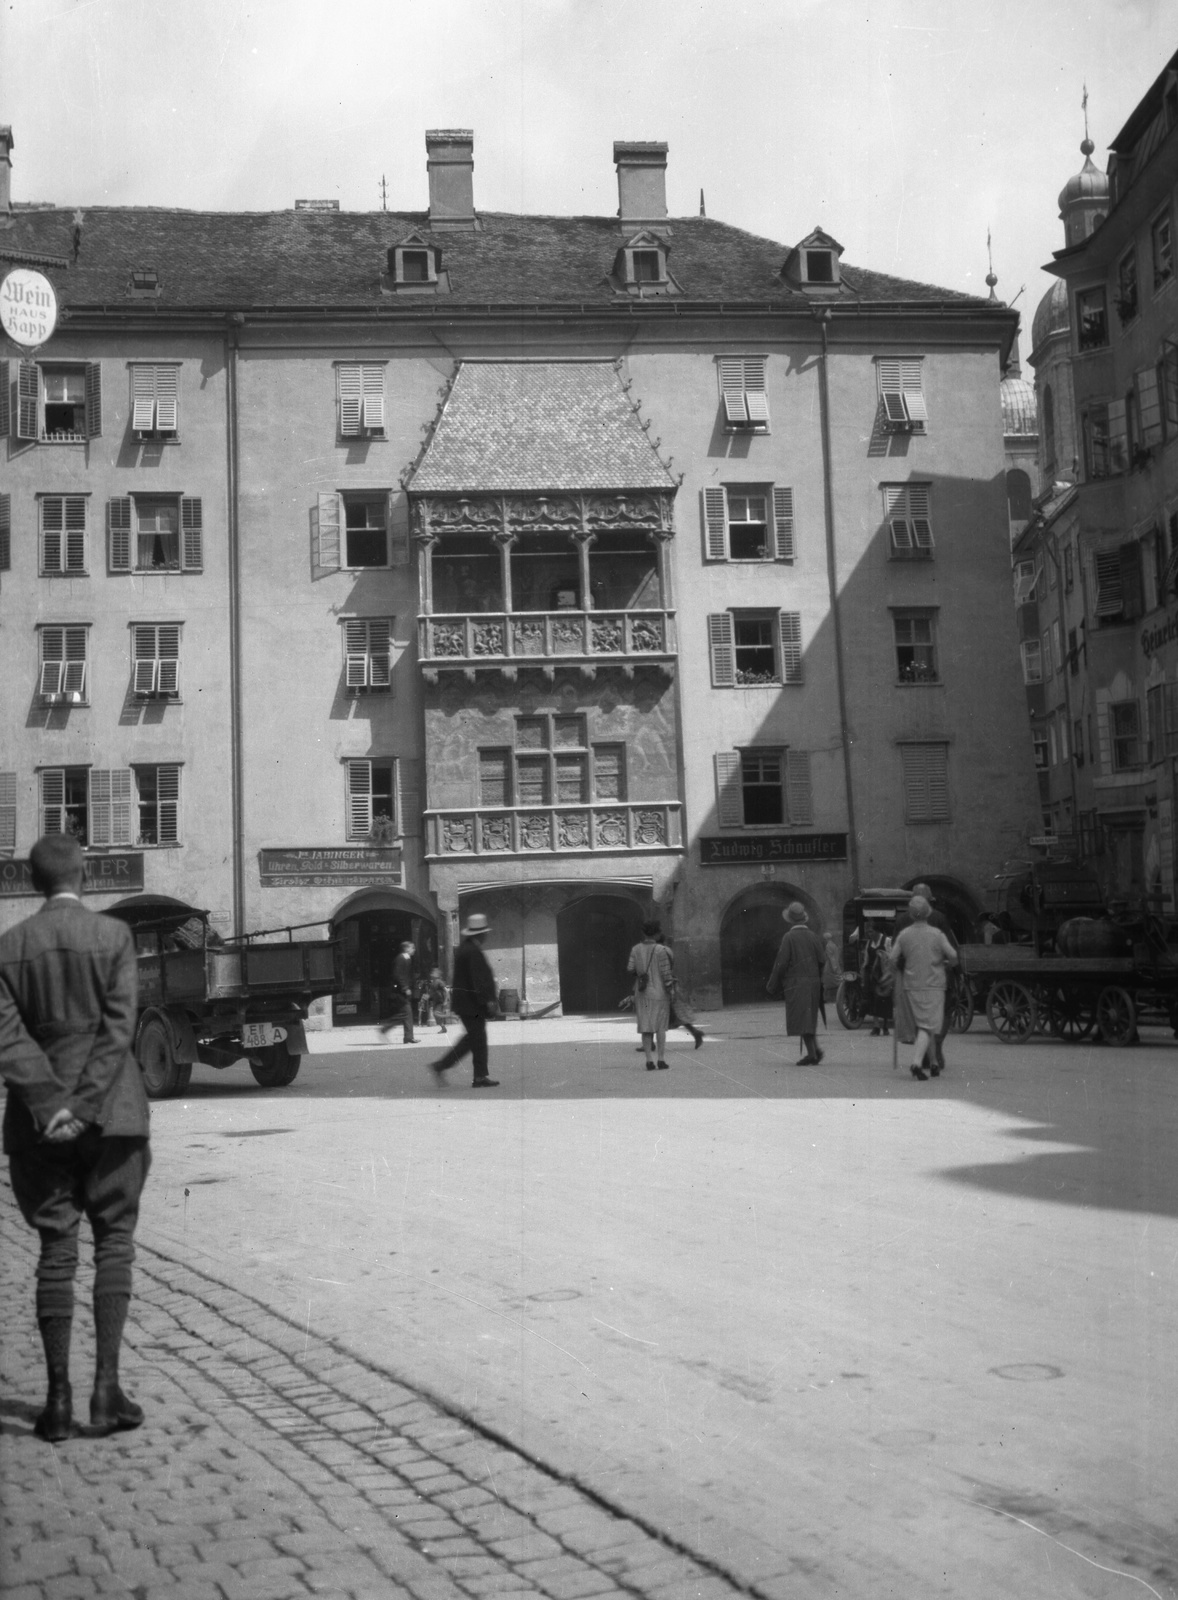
[(28, 307), (715, 852), (112, 874), (358, 866)]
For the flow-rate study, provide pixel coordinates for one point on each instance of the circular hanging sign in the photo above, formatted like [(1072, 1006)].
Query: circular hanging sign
[(28, 307)]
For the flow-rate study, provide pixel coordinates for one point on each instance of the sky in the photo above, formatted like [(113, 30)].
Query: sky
[(907, 129)]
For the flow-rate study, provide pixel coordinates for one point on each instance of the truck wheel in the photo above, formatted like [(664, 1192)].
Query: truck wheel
[(163, 1075), (275, 1067), (848, 1002)]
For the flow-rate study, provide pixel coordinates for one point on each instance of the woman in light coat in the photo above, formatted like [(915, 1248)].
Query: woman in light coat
[(921, 953), (651, 961)]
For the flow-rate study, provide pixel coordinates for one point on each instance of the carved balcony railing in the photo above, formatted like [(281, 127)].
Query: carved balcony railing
[(555, 830), (508, 640)]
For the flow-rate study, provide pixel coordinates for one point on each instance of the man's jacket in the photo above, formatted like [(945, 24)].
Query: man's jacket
[(68, 1006), (473, 992)]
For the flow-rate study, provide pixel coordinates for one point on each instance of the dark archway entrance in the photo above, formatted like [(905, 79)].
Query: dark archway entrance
[(750, 936), (594, 937), (370, 941)]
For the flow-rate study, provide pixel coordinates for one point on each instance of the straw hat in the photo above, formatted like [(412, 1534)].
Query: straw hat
[(795, 914), (476, 923)]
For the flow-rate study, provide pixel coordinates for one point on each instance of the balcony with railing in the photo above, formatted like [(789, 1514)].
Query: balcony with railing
[(583, 638), (588, 828)]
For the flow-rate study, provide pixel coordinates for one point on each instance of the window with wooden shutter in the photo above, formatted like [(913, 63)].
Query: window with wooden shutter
[(65, 801), (328, 518), (1032, 661), (790, 627), (372, 386), (7, 813), (729, 791), (367, 653), (410, 790), (783, 524), (1168, 370), (926, 782), (63, 533), (93, 399), (907, 514), (359, 781), (901, 392), (118, 534), (5, 402), (743, 393), (191, 535), (157, 800), (155, 400), (1149, 405), (63, 664), (799, 797), (351, 398), (28, 399), (1118, 436), (5, 531), (715, 524), (156, 659), (1110, 598), (721, 649)]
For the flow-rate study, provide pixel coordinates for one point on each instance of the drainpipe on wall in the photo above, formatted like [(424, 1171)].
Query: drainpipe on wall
[(836, 620), (236, 321)]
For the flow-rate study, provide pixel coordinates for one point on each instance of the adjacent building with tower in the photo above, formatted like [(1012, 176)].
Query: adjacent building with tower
[(376, 568)]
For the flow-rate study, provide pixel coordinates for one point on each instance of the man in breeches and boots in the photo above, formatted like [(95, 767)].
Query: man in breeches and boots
[(76, 1119), (402, 994), (472, 997)]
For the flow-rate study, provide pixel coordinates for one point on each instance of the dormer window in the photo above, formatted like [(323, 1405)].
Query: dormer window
[(641, 266), (815, 262), (414, 264), (145, 281)]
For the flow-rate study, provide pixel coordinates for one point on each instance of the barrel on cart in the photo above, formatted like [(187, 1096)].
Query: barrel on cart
[(203, 998)]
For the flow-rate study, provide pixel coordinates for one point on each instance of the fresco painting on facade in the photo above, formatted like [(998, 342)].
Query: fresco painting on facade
[(680, 537), (1095, 568)]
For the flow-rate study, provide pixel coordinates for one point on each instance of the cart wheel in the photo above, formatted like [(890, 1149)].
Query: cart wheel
[(848, 1002), (275, 1066), (163, 1075), (959, 1002), (1116, 1015), (1011, 1011), (1070, 1013)]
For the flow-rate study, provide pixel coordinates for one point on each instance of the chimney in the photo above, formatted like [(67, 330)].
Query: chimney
[(6, 144), (642, 180), (450, 164)]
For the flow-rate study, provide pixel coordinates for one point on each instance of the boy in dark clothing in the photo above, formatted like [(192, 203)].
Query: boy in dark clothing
[(472, 998)]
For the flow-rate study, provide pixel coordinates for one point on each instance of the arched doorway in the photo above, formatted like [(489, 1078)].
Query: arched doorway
[(954, 901), (751, 932), (594, 937), (370, 928)]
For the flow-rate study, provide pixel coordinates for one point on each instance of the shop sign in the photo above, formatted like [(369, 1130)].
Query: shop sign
[(113, 874), (357, 866), (1152, 639), (773, 847), (28, 307)]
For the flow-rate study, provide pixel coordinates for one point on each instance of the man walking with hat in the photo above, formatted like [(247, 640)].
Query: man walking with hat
[(798, 968), (472, 997), (76, 1120)]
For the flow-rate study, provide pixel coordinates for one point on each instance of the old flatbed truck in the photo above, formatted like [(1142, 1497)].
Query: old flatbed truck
[(205, 999)]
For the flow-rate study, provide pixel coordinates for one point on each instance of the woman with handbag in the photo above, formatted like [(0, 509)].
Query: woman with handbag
[(650, 962)]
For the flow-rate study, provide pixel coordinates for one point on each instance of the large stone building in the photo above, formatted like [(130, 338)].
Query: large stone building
[(1096, 568), (378, 568)]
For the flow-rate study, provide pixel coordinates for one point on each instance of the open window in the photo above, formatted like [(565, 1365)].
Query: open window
[(373, 804), (762, 786), (901, 393), (749, 522), (751, 649), (154, 533), (743, 393), (59, 402)]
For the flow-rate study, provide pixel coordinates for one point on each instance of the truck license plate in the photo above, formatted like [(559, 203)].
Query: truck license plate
[(257, 1035)]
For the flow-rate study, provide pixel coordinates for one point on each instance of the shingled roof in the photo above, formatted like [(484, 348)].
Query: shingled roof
[(512, 426), (291, 259)]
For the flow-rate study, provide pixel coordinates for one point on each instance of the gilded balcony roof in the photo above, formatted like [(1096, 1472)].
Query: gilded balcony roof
[(526, 426)]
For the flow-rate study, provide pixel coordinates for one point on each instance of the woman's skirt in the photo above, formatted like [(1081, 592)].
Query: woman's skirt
[(927, 1007), (652, 1012)]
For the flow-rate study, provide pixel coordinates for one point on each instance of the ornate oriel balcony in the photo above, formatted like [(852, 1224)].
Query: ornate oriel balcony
[(510, 581), (548, 830)]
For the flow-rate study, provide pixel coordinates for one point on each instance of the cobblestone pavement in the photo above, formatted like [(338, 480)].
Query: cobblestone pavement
[(274, 1464)]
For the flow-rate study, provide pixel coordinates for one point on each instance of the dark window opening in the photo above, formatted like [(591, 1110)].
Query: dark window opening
[(623, 572), (647, 266), (819, 266), (756, 655), (545, 573), (414, 266), (916, 660), (760, 778), (467, 574), (65, 402), (1092, 319), (365, 531)]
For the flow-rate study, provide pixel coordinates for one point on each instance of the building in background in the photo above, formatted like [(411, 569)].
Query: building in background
[(372, 569), (1095, 571)]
